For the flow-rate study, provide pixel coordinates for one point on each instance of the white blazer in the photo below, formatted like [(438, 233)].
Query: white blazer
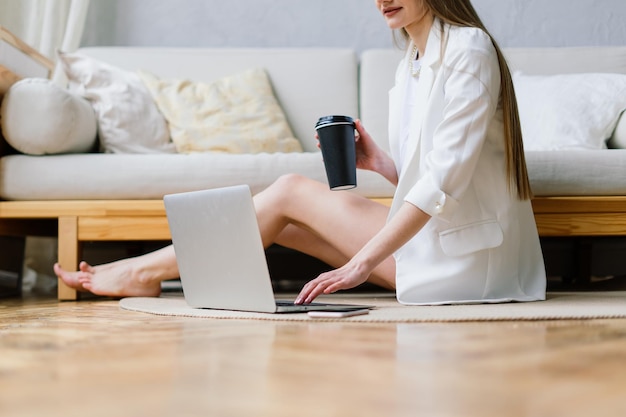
[(481, 244)]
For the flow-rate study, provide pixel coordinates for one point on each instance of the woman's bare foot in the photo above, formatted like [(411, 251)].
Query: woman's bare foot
[(133, 277), (69, 278), (117, 279)]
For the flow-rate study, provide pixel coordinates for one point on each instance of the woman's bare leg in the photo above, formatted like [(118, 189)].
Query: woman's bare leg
[(295, 212), (332, 226), (306, 242)]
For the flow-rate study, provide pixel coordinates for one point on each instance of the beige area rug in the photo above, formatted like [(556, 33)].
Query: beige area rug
[(558, 306)]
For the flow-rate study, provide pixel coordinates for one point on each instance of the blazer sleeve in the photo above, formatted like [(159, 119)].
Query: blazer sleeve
[(471, 91)]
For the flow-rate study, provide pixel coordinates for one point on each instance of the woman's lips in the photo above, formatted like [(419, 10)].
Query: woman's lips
[(391, 11)]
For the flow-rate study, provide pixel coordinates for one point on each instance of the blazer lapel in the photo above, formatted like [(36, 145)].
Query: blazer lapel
[(431, 61), (430, 67)]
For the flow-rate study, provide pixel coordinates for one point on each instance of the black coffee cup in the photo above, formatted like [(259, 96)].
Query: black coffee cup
[(336, 136)]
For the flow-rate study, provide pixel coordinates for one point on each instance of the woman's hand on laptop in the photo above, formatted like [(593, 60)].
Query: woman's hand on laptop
[(348, 276)]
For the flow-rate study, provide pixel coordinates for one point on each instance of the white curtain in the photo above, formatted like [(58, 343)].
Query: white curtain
[(46, 25)]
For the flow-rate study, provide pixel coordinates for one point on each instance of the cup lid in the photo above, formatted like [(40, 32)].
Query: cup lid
[(325, 120)]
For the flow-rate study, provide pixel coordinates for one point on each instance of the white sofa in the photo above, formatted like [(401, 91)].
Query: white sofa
[(98, 196), (308, 84)]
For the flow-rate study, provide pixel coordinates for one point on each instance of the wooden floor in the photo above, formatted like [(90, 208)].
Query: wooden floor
[(90, 358)]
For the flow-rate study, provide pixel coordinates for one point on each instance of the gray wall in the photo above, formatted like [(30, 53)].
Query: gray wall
[(337, 23)]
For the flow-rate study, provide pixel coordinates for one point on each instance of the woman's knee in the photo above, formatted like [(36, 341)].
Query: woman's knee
[(290, 181), (281, 190), (289, 185)]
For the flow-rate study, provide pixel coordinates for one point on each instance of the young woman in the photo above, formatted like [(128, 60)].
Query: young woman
[(461, 227)]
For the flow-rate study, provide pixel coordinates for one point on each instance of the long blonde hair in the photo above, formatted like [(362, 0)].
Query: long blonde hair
[(462, 13)]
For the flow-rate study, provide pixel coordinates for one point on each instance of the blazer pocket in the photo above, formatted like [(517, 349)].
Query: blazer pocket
[(471, 238)]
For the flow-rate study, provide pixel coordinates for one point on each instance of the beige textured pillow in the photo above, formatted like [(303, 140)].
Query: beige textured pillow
[(236, 114)]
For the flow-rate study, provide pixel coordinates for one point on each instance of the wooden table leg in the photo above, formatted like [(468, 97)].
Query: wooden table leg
[(68, 253)]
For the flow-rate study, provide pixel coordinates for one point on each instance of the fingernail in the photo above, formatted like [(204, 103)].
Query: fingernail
[(298, 300)]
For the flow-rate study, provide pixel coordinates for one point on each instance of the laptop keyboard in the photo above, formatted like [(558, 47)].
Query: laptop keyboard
[(282, 303)]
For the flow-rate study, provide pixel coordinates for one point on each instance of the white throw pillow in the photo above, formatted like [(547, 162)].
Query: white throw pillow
[(128, 119), (236, 114), (40, 118), (569, 111)]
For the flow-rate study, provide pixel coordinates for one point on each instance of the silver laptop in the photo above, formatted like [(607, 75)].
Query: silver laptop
[(220, 254)]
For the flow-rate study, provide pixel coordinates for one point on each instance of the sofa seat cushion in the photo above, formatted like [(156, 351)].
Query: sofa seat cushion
[(150, 176), (577, 172), (129, 176)]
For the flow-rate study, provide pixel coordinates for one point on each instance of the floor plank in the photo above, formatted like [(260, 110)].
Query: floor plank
[(91, 358)]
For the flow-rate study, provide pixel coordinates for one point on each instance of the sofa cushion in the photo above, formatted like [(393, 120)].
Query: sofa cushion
[(106, 176), (567, 60), (128, 119), (151, 176), (235, 114), (569, 111), (378, 67), (39, 118)]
